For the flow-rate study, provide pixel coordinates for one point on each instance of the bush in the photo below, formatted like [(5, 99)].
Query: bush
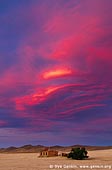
[(78, 153)]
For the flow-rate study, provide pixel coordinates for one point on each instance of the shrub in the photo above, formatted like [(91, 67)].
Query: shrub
[(78, 153)]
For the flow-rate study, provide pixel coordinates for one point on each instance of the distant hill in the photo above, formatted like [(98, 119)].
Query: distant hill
[(38, 148), (22, 149)]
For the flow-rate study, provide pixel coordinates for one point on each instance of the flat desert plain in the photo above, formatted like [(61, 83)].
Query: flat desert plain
[(98, 160)]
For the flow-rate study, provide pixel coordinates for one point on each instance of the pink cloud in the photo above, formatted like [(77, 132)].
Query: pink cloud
[(64, 65)]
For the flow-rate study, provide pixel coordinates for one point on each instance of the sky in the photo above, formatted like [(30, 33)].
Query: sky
[(55, 72)]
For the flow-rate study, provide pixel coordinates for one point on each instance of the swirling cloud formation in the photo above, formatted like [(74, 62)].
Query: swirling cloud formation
[(56, 72)]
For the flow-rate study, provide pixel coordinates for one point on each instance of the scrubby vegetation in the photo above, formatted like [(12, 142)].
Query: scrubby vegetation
[(78, 154)]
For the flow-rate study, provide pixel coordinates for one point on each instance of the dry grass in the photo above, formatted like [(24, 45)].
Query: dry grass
[(31, 161)]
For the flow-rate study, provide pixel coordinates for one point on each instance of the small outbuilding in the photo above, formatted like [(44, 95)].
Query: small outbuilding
[(64, 154), (47, 152)]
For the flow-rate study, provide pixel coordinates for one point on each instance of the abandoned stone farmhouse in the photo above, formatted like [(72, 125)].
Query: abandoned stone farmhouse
[(47, 152)]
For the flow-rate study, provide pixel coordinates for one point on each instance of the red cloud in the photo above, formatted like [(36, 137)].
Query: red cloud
[(35, 98)]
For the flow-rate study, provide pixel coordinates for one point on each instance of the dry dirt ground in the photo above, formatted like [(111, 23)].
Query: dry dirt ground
[(99, 160)]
